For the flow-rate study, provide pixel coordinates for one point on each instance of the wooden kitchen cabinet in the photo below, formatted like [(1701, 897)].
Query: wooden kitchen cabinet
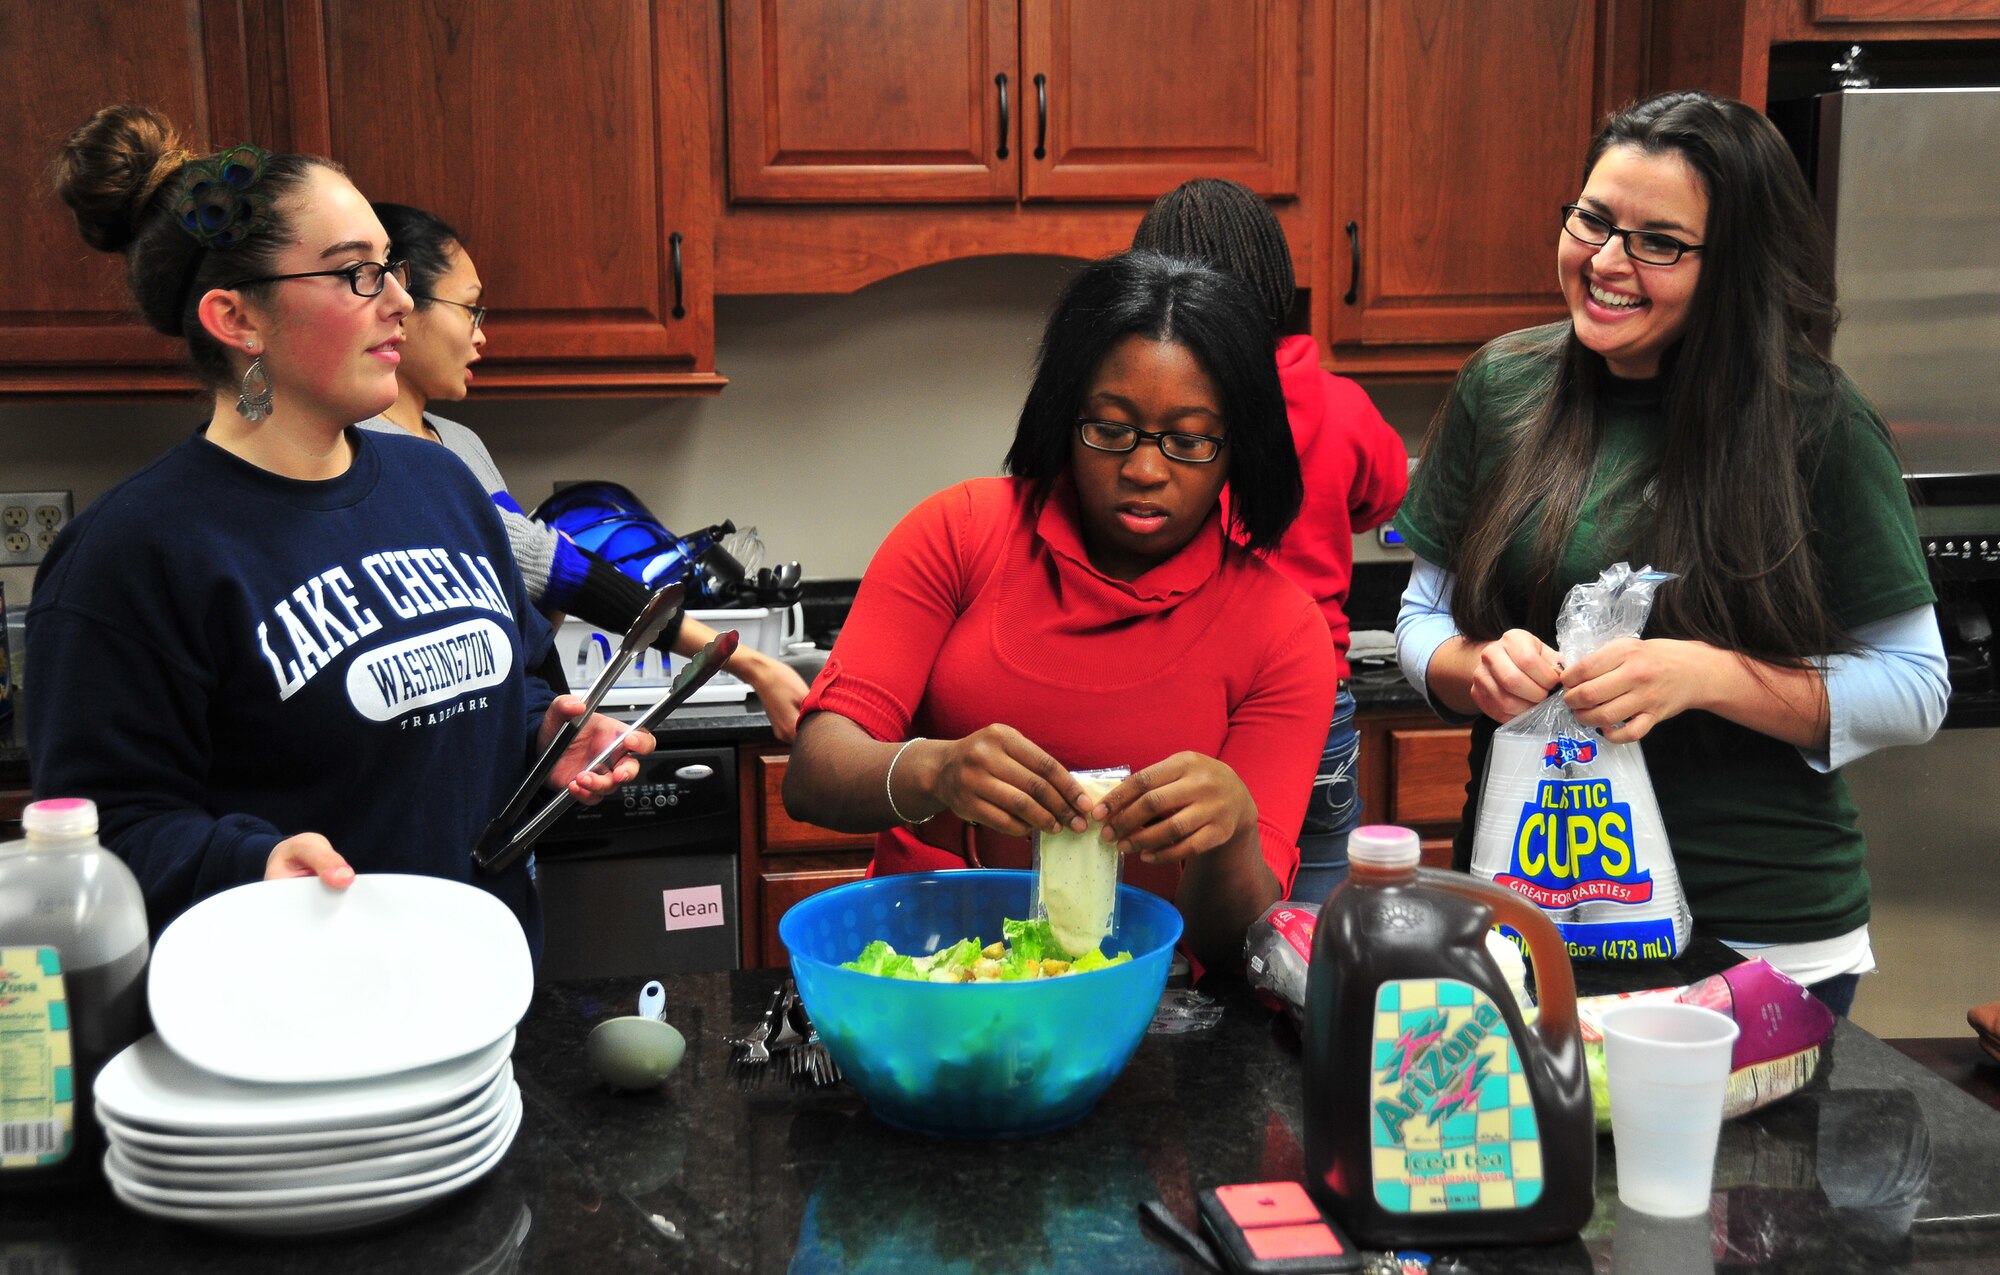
[(783, 860), (1724, 46), (1413, 772), (841, 117), (68, 325), (899, 100), (568, 143), (1458, 131), (999, 100)]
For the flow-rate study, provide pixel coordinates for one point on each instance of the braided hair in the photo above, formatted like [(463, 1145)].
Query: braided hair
[(1227, 226)]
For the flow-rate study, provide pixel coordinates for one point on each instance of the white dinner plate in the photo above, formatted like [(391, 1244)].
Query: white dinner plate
[(319, 1219), (333, 1143), (319, 1185), (289, 982), (150, 1086), (271, 1167)]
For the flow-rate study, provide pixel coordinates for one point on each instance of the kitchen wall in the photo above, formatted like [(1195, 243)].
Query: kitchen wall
[(842, 412)]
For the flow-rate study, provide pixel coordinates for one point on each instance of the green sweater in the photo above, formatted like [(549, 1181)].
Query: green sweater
[(1767, 847)]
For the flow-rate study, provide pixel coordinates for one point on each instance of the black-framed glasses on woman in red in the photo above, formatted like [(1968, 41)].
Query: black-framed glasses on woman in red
[(366, 278), (1648, 246), (1113, 436)]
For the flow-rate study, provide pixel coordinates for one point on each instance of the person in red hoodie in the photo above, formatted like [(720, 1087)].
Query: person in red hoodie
[(1354, 465)]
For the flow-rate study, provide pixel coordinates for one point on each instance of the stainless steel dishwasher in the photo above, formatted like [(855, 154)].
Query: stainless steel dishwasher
[(645, 882)]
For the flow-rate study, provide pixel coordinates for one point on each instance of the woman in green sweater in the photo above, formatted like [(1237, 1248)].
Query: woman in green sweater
[(1683, 417)]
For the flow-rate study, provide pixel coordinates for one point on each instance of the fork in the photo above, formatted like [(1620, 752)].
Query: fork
[(811, 1064), (750, 1049)]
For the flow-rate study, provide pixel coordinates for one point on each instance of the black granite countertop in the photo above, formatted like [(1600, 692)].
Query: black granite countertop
[(1878, 1167)]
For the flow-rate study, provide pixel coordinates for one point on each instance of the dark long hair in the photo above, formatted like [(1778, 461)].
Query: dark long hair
[(120, 173), (1213, 315), (422, 239), (1227, 225), (1727, 504)]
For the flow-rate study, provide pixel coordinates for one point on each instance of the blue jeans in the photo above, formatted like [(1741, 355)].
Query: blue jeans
[(1333, 810), (1837, 993)]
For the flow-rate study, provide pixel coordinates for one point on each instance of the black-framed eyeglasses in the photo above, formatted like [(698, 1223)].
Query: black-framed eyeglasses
[(1110, 436), (1649, 246), (364, 277), (478, 312)]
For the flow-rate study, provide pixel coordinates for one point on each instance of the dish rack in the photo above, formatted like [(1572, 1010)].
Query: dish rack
[(585, 649)]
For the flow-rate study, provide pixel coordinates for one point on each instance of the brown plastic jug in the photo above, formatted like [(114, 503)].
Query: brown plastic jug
[(1433, 1114), (73, 951)]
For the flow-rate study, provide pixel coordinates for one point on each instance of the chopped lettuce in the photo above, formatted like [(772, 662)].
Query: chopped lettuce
[(1096, 960), (1030, 952), (1033, 940), (879, 958)]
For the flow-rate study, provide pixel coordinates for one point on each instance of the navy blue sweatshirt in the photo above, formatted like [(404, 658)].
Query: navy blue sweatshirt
[(225, 657)]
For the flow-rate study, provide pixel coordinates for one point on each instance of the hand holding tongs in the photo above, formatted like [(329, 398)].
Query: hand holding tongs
[(654, 617), (706, 663)]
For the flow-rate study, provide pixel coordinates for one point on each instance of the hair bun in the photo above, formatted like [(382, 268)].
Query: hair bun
[(111, 168)]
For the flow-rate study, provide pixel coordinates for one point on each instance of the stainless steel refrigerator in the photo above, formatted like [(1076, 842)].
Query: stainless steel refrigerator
[(1909, 180)]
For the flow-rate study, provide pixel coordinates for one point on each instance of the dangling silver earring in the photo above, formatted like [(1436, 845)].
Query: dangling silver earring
[(253, 399)]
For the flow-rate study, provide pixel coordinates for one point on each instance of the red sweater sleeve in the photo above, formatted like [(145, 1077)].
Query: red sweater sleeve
[(910, 596), (1276, 734)]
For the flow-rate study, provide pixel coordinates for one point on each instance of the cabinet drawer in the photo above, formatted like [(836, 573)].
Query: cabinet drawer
[(778, 832), (782, 886), (1427, 775)]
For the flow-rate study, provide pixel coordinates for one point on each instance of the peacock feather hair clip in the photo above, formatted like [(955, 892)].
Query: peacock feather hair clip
[(219, 202)]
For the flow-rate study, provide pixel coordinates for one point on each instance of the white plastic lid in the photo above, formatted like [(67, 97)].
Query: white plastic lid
[(60, 818), (1384, 845)]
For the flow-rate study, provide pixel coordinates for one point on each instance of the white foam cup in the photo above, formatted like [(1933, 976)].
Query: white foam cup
[(1668, 1068)]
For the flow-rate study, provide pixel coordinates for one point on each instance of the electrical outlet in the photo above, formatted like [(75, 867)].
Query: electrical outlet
[(29, 521)]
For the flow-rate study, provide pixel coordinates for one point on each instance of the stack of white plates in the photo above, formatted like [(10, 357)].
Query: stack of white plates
[(325, 1060)]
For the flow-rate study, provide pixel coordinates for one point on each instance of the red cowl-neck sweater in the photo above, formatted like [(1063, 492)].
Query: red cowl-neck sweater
[(1356, 470), (982, 607)]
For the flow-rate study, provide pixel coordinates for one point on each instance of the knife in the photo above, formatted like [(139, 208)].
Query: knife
[(706, 663), (653, 619)]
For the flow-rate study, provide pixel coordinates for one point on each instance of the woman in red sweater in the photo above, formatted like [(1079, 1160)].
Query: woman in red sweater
[(1355, 468), (1096, 608)]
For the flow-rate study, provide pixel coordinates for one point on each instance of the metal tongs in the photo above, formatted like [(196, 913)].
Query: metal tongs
[(659, 611), (706, 663), (654, 617)]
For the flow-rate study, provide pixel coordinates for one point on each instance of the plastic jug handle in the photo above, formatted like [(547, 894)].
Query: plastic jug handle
[(1555, 982)]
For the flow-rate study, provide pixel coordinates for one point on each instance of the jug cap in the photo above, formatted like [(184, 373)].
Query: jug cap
[(60, 818), (1384, 845)]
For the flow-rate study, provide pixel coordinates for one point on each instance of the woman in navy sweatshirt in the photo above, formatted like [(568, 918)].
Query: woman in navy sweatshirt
[(286, 647)]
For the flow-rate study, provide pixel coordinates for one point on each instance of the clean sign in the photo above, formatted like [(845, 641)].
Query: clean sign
[(693, 908)]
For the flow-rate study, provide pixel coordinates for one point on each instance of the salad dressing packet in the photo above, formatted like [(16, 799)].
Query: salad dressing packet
[(1076, 874)]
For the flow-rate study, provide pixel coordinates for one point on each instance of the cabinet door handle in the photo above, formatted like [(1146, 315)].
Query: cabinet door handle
[(1041, 116), (674, 244), (1353, 263), (1005, 123)]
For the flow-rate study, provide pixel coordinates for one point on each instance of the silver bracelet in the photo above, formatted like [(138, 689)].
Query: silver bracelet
[(889, 787)]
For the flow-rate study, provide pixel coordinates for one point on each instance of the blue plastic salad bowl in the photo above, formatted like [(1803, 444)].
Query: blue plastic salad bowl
[(972, 1060)]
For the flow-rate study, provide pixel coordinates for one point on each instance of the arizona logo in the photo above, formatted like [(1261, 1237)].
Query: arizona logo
[(1436, 1070)]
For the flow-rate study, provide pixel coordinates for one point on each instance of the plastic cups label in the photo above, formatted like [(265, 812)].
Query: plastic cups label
[(1668, 1068)]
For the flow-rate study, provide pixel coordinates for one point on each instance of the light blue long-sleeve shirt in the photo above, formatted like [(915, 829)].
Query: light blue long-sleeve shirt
[(1891, 689)]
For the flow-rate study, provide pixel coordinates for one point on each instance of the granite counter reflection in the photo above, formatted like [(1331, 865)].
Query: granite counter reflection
[(1880, 1166)]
